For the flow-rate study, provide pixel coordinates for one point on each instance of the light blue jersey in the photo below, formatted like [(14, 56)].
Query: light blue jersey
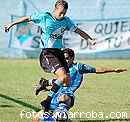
[(76, 73), (52, 29)]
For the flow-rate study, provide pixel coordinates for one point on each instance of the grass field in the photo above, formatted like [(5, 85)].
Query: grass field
[(99, 93)]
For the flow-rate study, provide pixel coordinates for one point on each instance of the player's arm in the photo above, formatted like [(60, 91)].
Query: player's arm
[(84, 68), (20, 20), (108, 70), (85, 36)]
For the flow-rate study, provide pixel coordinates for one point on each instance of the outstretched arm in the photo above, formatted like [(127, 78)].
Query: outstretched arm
[(85, 36), (107, 70), (20, 20), (84, 68)]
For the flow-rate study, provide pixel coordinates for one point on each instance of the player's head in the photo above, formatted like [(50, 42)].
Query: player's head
[(69, 55), (61, 7)]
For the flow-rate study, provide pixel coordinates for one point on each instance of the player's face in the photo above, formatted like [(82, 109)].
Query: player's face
[(59, 12), (69, 59)]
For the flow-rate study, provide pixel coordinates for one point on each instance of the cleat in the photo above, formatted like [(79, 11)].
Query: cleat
[(43, 83)]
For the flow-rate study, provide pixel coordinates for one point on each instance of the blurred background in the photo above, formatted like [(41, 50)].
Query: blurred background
[(106, 20)]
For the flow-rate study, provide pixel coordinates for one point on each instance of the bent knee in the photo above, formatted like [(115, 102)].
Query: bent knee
[(63, 77), (64, 98)]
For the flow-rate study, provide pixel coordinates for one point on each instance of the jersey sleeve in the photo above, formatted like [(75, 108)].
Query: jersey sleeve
[(84, 68), (38, 17), (70, 24)]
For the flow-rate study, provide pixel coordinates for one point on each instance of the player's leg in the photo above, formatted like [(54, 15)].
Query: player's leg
[(53, 60), (65, 103)]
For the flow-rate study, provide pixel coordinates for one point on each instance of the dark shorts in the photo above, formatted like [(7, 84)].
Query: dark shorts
[(52, 59)]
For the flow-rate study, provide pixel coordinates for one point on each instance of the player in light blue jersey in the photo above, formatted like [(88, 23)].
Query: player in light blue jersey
[(63, 100), (52, 28), (52, 59), (53, 25)]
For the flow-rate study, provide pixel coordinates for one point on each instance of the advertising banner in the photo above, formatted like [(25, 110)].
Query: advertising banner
[(110, 35), (25, 36)]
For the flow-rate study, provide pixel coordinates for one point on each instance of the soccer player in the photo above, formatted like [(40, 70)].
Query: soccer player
[(63, 100), (52, 59)]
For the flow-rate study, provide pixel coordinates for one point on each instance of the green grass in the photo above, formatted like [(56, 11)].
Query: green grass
[(99, 93)]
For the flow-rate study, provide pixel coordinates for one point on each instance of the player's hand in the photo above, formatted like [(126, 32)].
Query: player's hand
[(7, 28), (118, 70), (93, 41)]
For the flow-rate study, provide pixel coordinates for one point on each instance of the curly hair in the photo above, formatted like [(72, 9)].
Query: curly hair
[(69, 51)]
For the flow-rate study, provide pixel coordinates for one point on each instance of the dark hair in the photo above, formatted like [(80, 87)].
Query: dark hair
[(69, 51), (63, 3)]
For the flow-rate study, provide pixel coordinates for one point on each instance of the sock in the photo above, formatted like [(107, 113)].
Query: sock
[(51, 82), (55, 87)]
